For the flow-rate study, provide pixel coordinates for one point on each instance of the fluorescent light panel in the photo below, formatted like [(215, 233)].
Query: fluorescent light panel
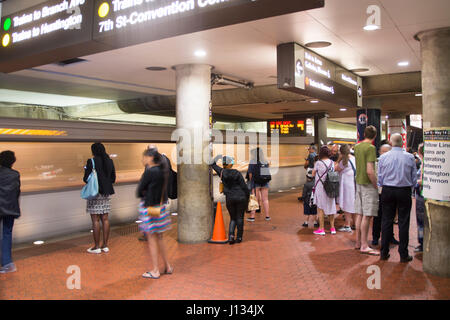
[(45, 99)]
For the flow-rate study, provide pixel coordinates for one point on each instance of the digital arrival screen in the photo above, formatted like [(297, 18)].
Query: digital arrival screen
[(292, 127)]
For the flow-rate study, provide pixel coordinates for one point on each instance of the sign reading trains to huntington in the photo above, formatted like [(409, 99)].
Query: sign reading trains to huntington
[(436, 169), (58, 30), (43, 30)]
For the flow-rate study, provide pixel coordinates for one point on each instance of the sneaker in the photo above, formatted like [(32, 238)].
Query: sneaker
[(418, 249), (95, 251), (251, 219), (305, 224), (319, 232), (10, 267), (345, 229), (268, 219), (105, 249), (333, 230)]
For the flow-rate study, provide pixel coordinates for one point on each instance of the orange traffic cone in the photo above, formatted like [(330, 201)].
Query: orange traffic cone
[(219, 235)]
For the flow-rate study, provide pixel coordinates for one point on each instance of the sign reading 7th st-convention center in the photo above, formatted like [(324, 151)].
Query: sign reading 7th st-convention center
[(58, 30)]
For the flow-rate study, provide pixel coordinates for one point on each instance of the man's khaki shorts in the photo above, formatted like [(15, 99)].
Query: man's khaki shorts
[(366, 200)]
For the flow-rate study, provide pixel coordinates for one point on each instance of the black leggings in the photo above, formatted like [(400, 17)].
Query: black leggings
[(236, 209)]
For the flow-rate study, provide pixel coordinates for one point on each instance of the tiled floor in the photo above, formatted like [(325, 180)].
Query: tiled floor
[(277, 260)]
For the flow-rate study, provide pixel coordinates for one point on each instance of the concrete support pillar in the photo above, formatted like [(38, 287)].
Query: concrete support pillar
[(397, 124), (435, 48), (195, 211), (320, 130)]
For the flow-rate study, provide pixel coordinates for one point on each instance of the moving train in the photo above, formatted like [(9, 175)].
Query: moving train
[(51, 156)]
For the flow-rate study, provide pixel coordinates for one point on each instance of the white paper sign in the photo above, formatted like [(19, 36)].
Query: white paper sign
[(436, 170)]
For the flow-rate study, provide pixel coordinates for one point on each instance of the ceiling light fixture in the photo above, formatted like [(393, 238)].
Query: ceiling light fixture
[(39, 242), (418, 94), (200, 53), (371, 27), (156, 68), (314, 101), (318, 44), (359, 70), (403, 64), (343, 109)]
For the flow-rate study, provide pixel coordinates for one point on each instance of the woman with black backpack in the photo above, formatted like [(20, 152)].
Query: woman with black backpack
[(325, 204), (259, 174)]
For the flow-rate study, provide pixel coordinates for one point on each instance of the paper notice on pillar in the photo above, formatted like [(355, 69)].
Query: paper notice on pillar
[(436, 174)]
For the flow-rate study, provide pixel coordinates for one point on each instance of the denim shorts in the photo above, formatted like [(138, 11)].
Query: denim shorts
[(257, 185)]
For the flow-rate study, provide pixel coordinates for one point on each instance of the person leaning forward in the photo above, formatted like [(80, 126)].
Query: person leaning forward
[(397, 175)]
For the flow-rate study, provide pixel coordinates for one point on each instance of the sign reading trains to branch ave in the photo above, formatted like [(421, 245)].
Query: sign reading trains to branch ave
[(288, 127), (303, 71), (43, 30), (436, 167), (58, 30)]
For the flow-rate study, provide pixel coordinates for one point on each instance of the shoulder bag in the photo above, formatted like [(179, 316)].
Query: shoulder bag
[(90, 190)]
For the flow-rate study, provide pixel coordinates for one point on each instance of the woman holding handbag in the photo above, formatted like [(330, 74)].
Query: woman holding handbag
[(9, 207), (99, 207), (236, 194), (155, 217)]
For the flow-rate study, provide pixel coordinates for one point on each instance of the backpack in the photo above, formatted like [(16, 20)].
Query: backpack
[(262, 179), (172, 186), (331, 184)]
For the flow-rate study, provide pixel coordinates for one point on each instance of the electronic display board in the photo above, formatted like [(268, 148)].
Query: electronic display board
[(58, 30), (287, 127), (303, 71)]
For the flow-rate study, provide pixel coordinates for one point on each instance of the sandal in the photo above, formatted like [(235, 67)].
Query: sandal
[(371, 252), (170, 271), (148, 275)]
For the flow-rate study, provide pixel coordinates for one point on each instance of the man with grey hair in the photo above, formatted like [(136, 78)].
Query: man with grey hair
[(376, 226), (397, 175)]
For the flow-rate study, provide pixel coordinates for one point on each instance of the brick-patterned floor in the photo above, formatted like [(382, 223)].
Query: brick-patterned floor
[(277, 260)]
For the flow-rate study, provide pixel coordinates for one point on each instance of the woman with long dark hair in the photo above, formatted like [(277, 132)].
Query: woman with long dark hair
[(152, 190), (100, 207)]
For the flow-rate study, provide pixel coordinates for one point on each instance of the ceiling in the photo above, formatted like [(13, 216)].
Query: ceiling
[(248, 51)]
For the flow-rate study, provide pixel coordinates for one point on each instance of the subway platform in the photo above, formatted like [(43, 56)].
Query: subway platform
[(278, 260)]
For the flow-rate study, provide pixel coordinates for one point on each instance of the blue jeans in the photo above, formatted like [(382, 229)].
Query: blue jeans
[(420, 215), (8, 223)]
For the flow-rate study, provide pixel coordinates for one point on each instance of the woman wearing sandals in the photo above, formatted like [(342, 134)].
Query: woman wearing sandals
[(100, 207), (152, 190)]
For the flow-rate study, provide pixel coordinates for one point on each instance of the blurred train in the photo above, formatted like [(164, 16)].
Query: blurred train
[(51, 156)]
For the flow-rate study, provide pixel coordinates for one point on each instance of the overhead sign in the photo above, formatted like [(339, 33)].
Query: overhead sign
[(42, 31), (303, 71), (436, 167), (288, 127), (63, 29)]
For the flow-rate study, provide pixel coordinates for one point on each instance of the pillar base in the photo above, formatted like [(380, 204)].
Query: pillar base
[(436, 253)]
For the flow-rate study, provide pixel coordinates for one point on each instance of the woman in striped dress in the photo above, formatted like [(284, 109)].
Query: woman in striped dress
[(152, 190)]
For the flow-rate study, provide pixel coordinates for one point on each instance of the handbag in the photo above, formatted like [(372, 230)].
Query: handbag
[(221, 183), (253, 204), (90, 190)]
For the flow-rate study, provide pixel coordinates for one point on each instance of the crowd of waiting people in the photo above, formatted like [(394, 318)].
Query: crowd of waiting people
[(368, 191)]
